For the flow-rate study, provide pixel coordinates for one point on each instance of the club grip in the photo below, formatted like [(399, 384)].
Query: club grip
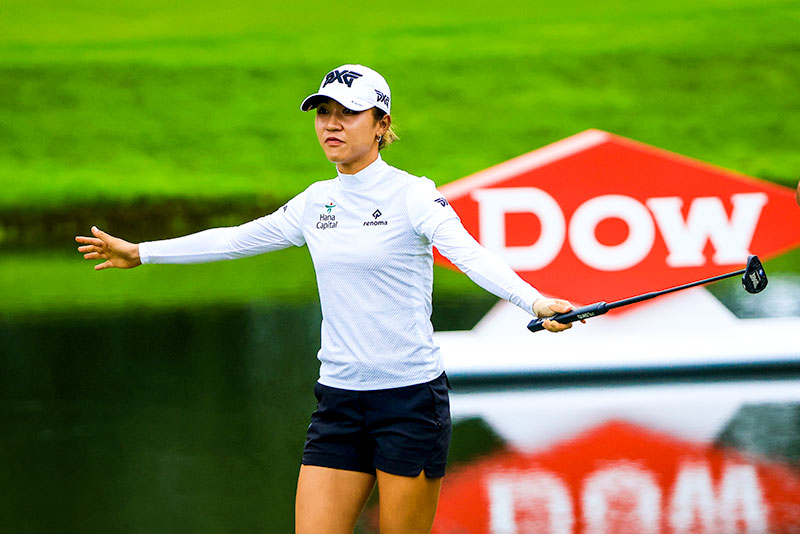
[(578, 314)]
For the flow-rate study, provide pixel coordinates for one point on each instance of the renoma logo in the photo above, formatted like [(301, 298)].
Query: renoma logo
[(600, 217), (375, 222), (346, 77)]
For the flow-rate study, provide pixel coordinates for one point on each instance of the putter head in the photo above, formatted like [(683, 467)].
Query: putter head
[(754, 279)]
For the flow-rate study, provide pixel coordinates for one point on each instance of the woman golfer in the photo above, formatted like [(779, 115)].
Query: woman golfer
[(383, 411)]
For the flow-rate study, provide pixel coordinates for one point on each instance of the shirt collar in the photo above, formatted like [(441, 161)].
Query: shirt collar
[(366, 177)]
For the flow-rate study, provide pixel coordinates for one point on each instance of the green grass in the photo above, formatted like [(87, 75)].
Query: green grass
[(62, 283), (111, 103), (132, 99), (55, 283)]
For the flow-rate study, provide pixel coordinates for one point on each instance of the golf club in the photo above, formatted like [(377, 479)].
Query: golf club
[(754, 280)]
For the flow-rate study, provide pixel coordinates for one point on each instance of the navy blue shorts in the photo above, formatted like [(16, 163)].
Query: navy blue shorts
[(401, 431)]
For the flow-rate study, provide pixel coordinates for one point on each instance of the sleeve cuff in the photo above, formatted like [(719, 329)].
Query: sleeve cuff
[(144, 253), (531, 295)]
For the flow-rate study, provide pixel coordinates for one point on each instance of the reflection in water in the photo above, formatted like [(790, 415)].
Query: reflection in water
[(193, 421), (187, 422), (190, 421), (709, 455), (620, 478), (770, 430)]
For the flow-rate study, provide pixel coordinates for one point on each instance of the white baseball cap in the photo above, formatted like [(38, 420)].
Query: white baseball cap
[(355, 87)]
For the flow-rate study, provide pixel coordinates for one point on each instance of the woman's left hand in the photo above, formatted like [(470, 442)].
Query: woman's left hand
[(545, 307)]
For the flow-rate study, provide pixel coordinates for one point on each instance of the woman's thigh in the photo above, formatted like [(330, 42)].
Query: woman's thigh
[(330, 500), (407, 504)]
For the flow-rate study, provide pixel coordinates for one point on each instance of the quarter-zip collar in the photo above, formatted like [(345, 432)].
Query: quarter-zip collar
[(366, 177)]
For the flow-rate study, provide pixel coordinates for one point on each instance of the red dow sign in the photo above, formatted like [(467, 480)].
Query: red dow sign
[(600, 217), (620, 479)]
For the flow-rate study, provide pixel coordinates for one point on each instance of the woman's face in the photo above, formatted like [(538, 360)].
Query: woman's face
[(349, 138)]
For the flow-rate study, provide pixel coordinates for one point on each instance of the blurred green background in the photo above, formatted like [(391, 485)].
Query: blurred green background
[(178, 395), (153, 119)]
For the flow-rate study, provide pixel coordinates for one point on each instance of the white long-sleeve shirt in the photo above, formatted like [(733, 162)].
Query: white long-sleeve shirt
[(370, 236)]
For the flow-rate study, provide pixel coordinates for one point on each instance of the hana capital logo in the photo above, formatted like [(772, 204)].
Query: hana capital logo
[(327, 220)]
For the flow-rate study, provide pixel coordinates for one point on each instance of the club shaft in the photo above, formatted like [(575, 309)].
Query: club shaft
[(757, 280), (648, 296)]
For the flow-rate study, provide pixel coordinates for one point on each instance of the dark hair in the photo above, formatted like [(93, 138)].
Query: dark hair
[(390, 136)]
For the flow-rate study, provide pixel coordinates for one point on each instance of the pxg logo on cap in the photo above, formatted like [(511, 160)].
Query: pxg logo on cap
[(355, 87), (346, 77)]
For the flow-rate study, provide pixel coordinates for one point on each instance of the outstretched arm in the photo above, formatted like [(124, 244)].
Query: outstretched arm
[(277, 231), (216, 244), (435, 219), (491, 273), (115, 251)]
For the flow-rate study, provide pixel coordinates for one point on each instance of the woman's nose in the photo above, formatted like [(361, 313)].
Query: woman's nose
[(334, 122)]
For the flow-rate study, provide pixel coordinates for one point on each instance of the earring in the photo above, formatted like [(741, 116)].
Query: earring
[(380, 138)]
